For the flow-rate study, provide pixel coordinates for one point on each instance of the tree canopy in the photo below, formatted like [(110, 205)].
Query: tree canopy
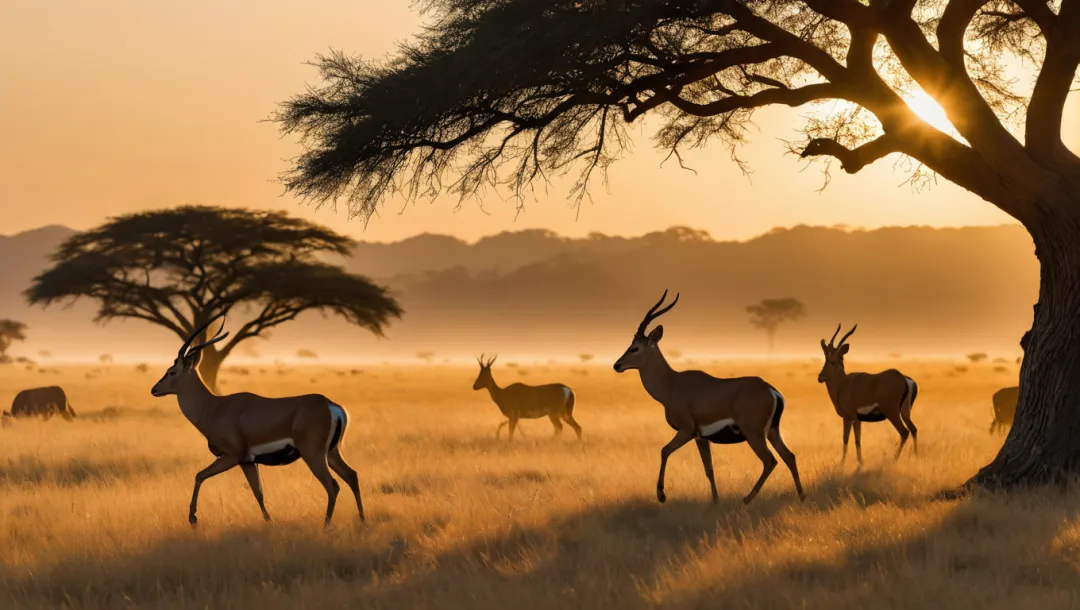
[(10, 331), (769, 314), (514, 90), (176, 268)]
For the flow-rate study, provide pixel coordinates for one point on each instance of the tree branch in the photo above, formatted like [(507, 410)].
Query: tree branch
[(1043, 128), (852, 160)]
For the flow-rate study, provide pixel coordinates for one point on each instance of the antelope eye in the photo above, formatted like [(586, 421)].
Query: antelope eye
[(635, 349)]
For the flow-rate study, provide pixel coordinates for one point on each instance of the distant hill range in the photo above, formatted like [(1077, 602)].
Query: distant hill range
[(912, 290)]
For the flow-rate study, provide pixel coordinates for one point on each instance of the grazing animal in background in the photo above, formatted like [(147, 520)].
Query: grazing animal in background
[(248, 430), (707, 409), (5, 419), (868, 397), (518, 401), (1004, 408), (42, 402)]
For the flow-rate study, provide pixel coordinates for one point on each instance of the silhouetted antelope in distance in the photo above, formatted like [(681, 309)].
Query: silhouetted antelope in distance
[(519, 401), (42, 402), (868, 397), (246, 430), (1004, 401), (707, 409)]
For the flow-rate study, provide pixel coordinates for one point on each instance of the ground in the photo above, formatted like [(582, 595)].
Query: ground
[(94, 512)]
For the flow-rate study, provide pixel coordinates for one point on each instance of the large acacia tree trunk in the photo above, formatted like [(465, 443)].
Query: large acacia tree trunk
[(210, 366), (1044, 442)]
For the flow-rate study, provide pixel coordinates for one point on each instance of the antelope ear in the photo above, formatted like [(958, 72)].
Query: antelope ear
[(844, 349), (824, 346), (656, 335), (193, 360)]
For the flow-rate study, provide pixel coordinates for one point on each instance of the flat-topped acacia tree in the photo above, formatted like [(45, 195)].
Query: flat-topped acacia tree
[(508, 91), (178, 268)]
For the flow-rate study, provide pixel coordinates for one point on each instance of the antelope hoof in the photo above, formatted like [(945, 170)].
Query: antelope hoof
[(660, 495), (193, 520)]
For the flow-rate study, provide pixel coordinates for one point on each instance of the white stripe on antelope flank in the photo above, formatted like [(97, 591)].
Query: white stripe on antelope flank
[(270, 447), (565, 394), (867, 409), (716, 426)]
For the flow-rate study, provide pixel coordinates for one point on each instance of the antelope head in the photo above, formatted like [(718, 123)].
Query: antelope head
[(187, 360), (645, 347), (834, 355), (484, 379)]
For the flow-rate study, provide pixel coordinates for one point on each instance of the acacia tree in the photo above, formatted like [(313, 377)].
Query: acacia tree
[(10, 331), (505, 91), (177, 268), (769, 314)]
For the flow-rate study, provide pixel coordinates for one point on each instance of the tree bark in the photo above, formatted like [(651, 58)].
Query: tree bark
[(1043, 445), (209, 367)]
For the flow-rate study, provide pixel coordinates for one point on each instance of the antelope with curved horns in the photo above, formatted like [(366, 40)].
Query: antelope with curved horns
[(519, 401), (707, 409), (868, 397), (246, 430)]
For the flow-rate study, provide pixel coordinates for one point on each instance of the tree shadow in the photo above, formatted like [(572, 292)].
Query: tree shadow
[(988, 551)]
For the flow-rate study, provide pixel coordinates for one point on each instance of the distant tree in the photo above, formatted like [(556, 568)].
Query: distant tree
[(426, 356), (769, 314), (105, 359), (176, 268), (540, 87), (10, 331), (585, 358), (45, 354), (142, 368), (306, 354), (977, 357)]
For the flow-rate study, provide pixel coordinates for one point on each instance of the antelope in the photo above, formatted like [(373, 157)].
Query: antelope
[(707, 409), (247, 430), (868, 397), (43, 402), (519, 401), (1004, 401)]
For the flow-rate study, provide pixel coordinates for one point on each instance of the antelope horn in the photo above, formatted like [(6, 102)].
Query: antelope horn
[(844, 338), (834, 335), (492, 361), (480, 360), (654, 314), (184, 351)]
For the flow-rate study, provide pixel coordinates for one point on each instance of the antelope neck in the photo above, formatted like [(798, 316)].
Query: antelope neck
[(195, 399), (834, 383), (495, 391), (656, 376)]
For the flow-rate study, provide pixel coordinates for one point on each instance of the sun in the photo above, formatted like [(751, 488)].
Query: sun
[(927, 109)]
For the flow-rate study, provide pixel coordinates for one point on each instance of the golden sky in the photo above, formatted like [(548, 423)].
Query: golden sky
[(114, 106)]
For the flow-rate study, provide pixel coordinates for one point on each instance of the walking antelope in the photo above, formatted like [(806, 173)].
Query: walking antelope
[(707, 409), (868, 397), (1004, 401), (246, 430), (519, 401)]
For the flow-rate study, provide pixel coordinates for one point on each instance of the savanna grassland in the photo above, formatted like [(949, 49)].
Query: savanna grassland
[(94, 512)]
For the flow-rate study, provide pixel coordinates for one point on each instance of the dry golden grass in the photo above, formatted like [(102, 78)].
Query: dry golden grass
[(94, 512)]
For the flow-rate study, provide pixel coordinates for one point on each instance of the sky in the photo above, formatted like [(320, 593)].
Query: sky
[(116, 106)]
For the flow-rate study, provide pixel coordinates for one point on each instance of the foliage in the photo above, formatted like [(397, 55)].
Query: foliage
[(177, 267), (426, 356), (585, 357), (513, 90), (770, 313), (306, 354), (977, 357), (10, 331)]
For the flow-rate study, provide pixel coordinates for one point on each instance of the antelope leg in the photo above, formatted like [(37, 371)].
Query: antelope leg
[(681, 438), (220, 465)]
